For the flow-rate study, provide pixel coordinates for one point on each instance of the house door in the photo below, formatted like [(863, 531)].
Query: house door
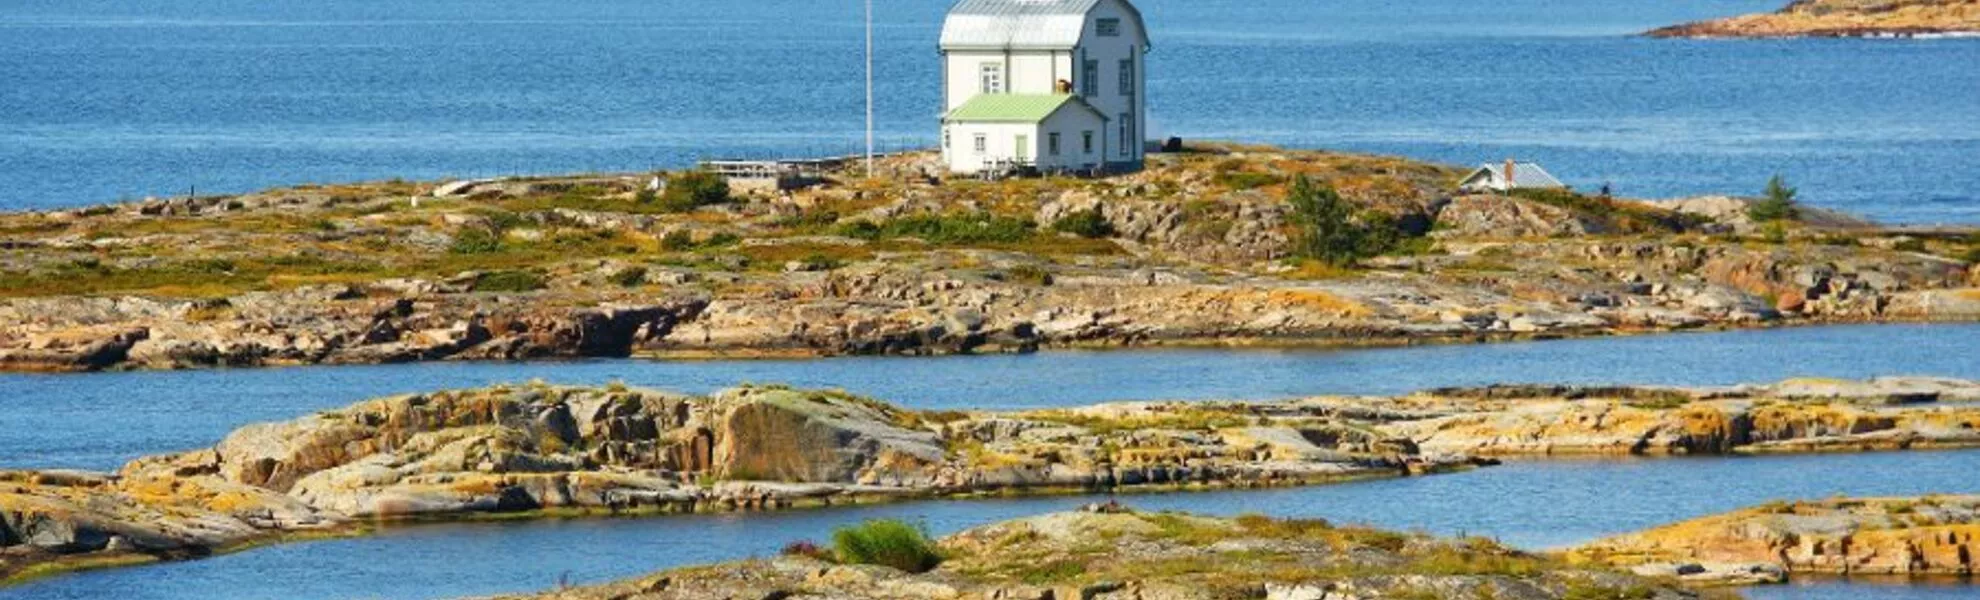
[(1024, 148)]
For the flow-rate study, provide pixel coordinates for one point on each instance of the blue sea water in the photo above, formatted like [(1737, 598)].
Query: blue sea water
[(104, 99), (114, 99)]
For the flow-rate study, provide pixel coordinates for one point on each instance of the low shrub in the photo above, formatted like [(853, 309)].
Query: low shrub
[(508, 281), (628, 277), (806, 548), (690, 190), (1087, 223), (978, 228), (678, 240), (886, 542), (817, 261), (1032, 274), (475, 240)]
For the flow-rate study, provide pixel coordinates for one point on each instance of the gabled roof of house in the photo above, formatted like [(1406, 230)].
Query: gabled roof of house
[(1528, 175), (1015, 108), (1036, 24)]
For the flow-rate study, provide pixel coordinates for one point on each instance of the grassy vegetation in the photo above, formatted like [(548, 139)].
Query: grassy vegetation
[(886, 542), (1180, 418), (948, 230), (1263, 550)]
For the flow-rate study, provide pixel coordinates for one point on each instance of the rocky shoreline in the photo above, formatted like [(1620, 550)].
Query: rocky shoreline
[(1843, 18), (1193, 251), (1921, 536), (1106, 552), (538, 450)]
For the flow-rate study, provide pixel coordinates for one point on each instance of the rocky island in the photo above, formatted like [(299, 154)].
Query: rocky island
[(1930, 535), (1110, 553), (542, 450), (1843, 18), (1204, 247)]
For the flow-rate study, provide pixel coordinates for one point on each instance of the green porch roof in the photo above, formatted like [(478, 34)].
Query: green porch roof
[(1010, 108)]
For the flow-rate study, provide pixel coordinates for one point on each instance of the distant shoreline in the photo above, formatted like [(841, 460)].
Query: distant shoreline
[(1896, 19)]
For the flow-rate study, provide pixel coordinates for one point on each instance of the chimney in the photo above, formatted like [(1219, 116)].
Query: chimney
[(1509, 174)]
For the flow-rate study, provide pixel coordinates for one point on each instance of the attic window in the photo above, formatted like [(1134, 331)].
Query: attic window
[(1108, 27)]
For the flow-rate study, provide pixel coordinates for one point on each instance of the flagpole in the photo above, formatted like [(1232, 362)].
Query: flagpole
[(869, 88)]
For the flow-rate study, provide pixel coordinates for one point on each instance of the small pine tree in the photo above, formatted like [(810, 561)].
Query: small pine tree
[(1326, 231), (1778, 205)]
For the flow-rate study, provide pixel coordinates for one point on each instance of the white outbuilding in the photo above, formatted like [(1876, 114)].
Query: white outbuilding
[(1510, 176), (1044, 84)]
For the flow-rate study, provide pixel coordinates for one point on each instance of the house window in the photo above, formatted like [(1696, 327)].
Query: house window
[(982, 143), (1127, 77), (1086, 140), (1107, 27), (993, 78), (1052, 143), (1127, 134), (1089, 81)]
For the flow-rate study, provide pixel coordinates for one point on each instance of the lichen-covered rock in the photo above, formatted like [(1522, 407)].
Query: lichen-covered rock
[(1841, 18), (785, 435), (1107, 552), (1488, 216), (528, 447), (1797, 415), (1868, 536)]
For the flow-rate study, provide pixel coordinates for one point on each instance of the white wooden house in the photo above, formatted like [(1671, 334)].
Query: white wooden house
[(1050, 84), (1509, 176)]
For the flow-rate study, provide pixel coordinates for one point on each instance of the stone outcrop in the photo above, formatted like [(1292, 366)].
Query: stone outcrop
[(1191, 251), (1793, 416), (1932, 535), (1842, 18), (1488, 216), (535, 447), (530, 447), (1165, 556), (321, 324)]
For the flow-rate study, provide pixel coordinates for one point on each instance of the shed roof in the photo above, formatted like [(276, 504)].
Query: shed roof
[(1044, 24), (1528, 175), (1012, 108)]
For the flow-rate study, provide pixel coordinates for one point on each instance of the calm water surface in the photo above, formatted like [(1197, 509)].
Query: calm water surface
[(100, 420), (109, 99), (1535, 504)]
